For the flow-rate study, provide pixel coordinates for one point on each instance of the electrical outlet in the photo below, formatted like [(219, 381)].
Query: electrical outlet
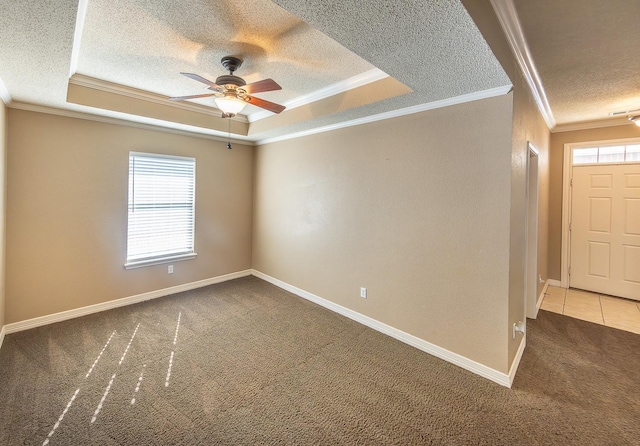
[(363, 293), (170, 269)]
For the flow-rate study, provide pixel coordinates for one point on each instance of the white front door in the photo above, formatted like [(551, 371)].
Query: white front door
[(605, 229)]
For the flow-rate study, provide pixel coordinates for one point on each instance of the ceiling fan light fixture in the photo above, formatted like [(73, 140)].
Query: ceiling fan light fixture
[(230, 105), (232, 92), (635, 120)]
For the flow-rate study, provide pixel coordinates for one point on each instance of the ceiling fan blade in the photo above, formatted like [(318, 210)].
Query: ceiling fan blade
[(271, 106), (260, 86), (181, 98), (195, 77)]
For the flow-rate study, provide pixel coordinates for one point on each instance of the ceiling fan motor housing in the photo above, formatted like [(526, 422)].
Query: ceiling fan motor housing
[(230, 79), (231, 63)]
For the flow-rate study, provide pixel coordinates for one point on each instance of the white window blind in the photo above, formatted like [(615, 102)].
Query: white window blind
[(161, 208)]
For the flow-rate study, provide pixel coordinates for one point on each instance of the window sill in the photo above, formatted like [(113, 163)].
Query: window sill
[(159, 260)]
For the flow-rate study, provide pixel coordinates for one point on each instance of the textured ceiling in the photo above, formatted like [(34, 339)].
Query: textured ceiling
[(586, 53), (36, 39), (151, 41), (432, 47)]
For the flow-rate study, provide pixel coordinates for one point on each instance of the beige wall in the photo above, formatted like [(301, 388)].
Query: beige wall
[(528, 126), (558, 140), (415, 208), (67, 212), (3, 187)]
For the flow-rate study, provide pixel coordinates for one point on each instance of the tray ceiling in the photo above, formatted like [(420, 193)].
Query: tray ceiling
[(122, 58)]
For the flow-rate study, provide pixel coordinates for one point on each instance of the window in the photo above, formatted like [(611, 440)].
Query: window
[(607, 154), (161, 209)]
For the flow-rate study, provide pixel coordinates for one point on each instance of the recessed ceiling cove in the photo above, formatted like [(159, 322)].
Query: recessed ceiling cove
[(145, 44)]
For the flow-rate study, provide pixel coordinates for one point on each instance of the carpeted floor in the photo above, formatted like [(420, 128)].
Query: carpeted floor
[(245, 363)]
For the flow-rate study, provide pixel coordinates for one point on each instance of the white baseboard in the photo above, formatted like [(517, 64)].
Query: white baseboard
[(516, 360), (541, 297), (554, 282), (83, 311), (432, 349), (446, 355)]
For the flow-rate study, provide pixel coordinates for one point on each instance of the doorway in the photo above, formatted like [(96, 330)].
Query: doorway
[(531, 270), (601, 218)]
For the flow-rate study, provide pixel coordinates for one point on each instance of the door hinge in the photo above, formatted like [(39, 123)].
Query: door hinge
[(569, 270), (571, 182), (570, 227)]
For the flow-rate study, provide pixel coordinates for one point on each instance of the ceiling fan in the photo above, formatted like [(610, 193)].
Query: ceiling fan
[(232, 92)]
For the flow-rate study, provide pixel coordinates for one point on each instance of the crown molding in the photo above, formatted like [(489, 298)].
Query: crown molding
[(110, 87), (156, 125), (77, 36), (588, 125), (508, 17), (4, 94), (185, 130), (498, 91), (333, 89), (339, 87)]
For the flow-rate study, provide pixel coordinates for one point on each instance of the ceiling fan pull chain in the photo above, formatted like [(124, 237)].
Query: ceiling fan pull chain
[(229, 129)]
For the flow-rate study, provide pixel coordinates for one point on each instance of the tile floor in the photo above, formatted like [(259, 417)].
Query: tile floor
[(615, 312)]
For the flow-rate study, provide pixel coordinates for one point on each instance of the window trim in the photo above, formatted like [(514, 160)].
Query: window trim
[(159, 260), (169, 258)]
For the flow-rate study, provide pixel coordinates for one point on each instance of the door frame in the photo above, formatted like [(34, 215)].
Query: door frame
[(567, 176), (531, 231)]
